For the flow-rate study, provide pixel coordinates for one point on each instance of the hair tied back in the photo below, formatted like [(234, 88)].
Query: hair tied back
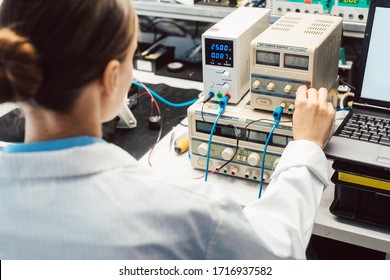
[(20, 73)]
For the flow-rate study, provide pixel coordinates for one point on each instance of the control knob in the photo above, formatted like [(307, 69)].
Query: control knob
[(276, 162), (227, 153), (256, 84), (288, 88), (225, 87), (226, 74), (253, 159), (202, 149), (271, 86)]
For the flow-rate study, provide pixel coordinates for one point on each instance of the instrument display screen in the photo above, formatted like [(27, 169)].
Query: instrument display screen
[(296, 61), (268, 58), (219, 52)]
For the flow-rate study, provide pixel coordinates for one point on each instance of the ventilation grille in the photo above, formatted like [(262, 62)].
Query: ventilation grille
[(331, 58), (318, 27), (247, 75), (286, 23)]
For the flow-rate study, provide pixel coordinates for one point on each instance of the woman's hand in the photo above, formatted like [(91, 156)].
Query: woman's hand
[(313, 116)]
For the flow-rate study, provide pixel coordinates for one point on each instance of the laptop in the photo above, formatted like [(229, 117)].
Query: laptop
[(364, 135)]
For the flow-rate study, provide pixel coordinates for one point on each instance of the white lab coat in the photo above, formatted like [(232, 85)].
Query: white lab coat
[(95, 202)]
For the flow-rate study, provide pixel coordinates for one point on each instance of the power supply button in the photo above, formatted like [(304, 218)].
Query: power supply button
[(263, 101)]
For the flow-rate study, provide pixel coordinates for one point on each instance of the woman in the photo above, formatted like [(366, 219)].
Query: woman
[(67, 194)]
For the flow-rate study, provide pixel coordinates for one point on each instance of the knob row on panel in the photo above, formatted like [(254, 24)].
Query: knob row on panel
[(271, 86), (227, 154)]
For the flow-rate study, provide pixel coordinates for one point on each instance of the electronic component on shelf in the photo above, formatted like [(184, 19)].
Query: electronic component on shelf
[(281, 7), (154, 58), (219, 3), (348, 10), (225, 52), (298, 49), (351, 10), (250, 126), (178, 2)]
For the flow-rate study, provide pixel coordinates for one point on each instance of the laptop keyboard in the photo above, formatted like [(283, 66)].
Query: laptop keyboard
[(367, 128)]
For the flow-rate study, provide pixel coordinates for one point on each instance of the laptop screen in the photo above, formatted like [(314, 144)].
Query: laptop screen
[(376, 82)]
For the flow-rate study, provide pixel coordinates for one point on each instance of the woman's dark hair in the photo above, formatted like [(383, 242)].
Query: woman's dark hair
[(50, 50)]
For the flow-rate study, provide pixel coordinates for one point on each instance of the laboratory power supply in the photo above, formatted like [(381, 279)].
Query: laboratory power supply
[(238, 139), (225, 52), (298, 49)]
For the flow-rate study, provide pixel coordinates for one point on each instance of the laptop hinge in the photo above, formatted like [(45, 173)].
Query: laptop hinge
[(368, 106)]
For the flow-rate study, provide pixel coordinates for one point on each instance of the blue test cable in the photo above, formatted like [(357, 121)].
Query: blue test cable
[(209, 144), (277, 114), (222, 106), (344, 109), (184, 104)]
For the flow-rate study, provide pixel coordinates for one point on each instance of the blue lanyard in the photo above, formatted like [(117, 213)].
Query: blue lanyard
[(53, 145)]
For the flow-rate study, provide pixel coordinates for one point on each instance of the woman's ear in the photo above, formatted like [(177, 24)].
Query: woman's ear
[(110, 78)]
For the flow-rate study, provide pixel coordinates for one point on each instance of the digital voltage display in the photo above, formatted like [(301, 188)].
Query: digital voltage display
[(296, 61), (350, 2), (219, 52), (268, 58)]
